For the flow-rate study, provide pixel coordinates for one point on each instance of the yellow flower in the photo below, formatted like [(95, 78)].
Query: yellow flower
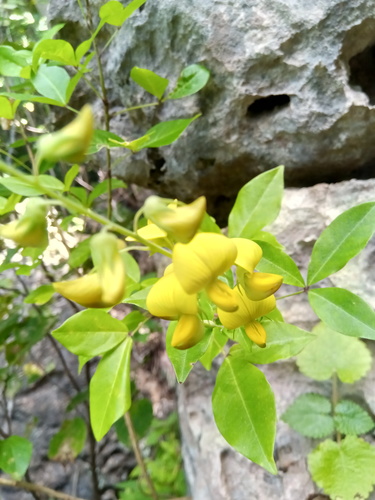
[(105, 287), (180, 222), (257, 286), (189, 331), (30, 230), (71, 142), (248, 311), (198, 264)]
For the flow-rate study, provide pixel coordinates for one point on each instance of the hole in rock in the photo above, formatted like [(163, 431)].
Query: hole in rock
[(158, 161), (362, 69), (267, 104)]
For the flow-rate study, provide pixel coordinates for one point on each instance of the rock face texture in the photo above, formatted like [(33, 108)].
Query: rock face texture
[(214, 470), (291, 84)]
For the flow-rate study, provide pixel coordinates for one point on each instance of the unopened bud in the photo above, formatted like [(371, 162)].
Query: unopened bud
[(189, 331)]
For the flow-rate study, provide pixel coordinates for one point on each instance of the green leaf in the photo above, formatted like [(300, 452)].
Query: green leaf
[(244, 410), (138, 298), (276, 261), (77, 399), (80, 254), (52, 82), (283, 341), (216, 343), (132, 268), (115, 14), (101, 139), (15, 455), (70, 176), (110, 394), (82, 49), (183, 361), (69, 441), (310, 415), (10, 203), (332, 353), (12, 61), (162, 134), (150, 81), (19, 186), (32, 98), (344, 238), (40, 296), (55, 50), (350, 418), (344, 470), (6, 108), (49, 182), (48, 34), (192, 79), (141, 415), (102, 188), (258, 203), (91, 332), (267, 237), (343, 311)]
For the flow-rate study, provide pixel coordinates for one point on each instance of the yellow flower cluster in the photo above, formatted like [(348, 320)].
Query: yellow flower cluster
[(198, 261)]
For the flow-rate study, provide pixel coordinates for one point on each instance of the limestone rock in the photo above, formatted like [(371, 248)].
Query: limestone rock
[(291, 84)]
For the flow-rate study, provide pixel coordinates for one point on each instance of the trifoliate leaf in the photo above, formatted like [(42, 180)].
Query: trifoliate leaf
[(310, 415), (345, 471), (350, 418), (332, 353)]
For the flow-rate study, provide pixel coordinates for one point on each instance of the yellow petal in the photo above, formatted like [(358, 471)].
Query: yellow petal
[(198, 263), (167, 299), (259, 286), (248, 310), (86, 291), (112, 281), (149, 232), (181, 222), (249, 253), (256, 332), (223, 296), (189, 331)]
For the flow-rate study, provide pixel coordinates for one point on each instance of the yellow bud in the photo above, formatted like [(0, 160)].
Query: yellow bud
[(167, 299), (198, 263), (223, 296), (258, 286), (248, 310), (86, 291), (181, 222), (71, 142), (256, 332), (30, 230), (249, 253), (189, 331)]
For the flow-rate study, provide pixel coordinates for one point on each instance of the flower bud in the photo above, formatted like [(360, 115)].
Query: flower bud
[(86, 291), (71, 142), (189, 331), (256, 332), (180, 222), (30, 230)]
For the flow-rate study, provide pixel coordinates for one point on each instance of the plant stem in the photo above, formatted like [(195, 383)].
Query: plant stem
[(335, 400), (75, 206), (291, 294), (138, 455), (33, 487), (140, 106)]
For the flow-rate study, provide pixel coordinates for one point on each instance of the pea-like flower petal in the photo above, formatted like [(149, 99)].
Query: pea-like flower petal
[(86, 291), (249, 253), (222, 295), (248, 310), (256, 332), (198, 263), (167, 299), (189, 331), (259, 286)]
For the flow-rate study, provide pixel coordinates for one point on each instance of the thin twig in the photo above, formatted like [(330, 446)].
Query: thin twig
[(33, 487), (33, 493), (138, 455), (335, 400)]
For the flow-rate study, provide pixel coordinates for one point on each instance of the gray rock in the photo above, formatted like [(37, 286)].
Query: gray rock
[(291, 84), (216, 472)]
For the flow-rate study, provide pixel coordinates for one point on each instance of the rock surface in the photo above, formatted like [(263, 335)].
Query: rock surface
[(214, 470), (291, 84)]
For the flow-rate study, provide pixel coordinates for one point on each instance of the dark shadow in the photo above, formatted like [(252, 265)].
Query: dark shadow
[(267, 105), (362, 70)]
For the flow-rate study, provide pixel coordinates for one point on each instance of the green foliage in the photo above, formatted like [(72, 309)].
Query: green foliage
[(276, 261), (69, 441), (344, 311), (141, 416), (310, 415), (350, 418), (192, 79), (344, 470), (216, 343), (15, 455), (244, 409), (150, 81), (40, 295), (331, 353), (258, 204)]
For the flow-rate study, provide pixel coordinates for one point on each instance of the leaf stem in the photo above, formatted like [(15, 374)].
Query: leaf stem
[(291, 294), (138, 455), (37, 488), (132, 108), (335, 400)]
